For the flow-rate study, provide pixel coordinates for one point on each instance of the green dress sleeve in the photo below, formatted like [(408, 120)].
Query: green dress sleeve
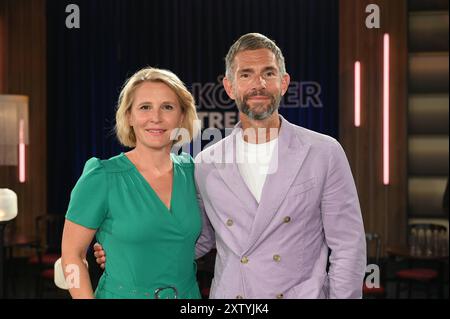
[(88, 200)]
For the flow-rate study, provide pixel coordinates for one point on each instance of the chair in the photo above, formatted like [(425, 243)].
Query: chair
[(373, 243), (48, 248), (427, 252)]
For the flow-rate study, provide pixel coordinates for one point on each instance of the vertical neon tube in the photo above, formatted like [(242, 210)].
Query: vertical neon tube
[(22, 176), (386, 96), (357, 94)]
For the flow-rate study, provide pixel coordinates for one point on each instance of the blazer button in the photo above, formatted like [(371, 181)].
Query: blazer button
[(277, 258), (244, 260), (229, 222), (287, 219), (280, 296)]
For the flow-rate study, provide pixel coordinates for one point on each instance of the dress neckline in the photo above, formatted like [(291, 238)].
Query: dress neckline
[(149, 187)]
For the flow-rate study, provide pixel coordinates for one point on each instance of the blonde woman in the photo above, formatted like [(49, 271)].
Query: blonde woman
[(141, 205)]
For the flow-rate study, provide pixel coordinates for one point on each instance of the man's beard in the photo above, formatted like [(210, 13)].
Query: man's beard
[(258, 116)]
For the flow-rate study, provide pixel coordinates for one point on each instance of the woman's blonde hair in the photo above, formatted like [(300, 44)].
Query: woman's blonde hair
[(124, 131)]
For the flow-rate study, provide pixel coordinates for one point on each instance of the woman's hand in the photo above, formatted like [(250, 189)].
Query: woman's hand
[(100, 255)]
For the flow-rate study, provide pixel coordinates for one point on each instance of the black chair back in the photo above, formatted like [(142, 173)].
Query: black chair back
[(49, 230), (373, 243)]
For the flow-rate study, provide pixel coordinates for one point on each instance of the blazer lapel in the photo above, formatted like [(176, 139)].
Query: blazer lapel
[(229, 172), (290, 157)]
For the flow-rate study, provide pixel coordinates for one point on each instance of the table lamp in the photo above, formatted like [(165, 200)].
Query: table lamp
[(14, 132)]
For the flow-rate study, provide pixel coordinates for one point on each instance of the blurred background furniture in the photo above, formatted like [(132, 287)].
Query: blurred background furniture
[(47, 250), (373, 242), (426, 258), (13, 242)]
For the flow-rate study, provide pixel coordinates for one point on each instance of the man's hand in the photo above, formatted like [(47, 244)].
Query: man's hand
[(100, 256)]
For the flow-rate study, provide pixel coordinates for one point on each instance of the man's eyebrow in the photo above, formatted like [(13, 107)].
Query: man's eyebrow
[(270, 68), (250, 70), (247, 70)]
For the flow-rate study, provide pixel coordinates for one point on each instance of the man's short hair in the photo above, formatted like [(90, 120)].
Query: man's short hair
[(253, 41)]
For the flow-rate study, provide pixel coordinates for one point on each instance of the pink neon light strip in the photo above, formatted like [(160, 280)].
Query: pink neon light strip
[(386, 79), (357, 94), (22, 176)]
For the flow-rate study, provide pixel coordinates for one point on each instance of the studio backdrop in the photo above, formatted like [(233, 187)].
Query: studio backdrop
[(88, 64)]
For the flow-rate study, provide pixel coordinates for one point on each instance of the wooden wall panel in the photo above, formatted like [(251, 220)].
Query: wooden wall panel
[(383, 207), (25, 63)]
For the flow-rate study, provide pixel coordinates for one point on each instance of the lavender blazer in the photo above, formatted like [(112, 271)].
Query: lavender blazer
[(308, 205)]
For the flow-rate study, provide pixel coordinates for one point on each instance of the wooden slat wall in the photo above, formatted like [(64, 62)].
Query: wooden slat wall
[(383, 207), (3, 42), (23, 52)]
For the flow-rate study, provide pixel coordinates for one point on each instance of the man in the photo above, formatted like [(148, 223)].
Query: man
[(275, 196), (273, 227)]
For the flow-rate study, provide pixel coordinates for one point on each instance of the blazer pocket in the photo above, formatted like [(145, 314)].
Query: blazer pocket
[(302, 187)]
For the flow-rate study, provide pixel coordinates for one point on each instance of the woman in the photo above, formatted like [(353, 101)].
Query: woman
[(141, 205)]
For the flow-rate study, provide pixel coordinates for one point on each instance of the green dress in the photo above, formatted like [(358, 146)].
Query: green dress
[(149, 248)]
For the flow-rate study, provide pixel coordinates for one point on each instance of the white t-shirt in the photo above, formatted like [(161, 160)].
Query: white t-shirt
[(253, 161)]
